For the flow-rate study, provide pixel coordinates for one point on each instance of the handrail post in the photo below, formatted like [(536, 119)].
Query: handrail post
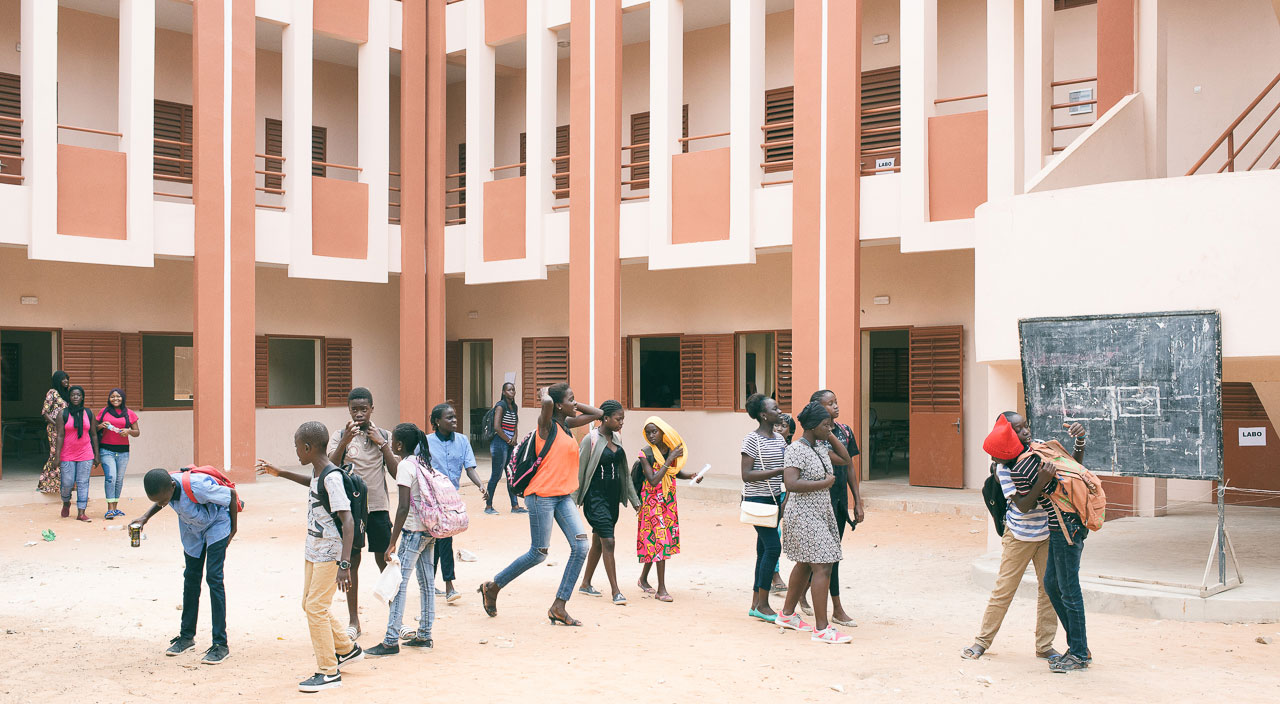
[(1231, 151)]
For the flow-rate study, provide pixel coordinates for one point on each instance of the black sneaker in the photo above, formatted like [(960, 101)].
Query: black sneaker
[(215, 655), (320, 682), (180, 645), (1088, 659), (382, 649), (418, 643), (357, 653), (1068, 663)]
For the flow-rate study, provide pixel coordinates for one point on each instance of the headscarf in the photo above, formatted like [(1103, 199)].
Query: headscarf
[(673, 440), (124, 408), (76, 413), (1003, 442), (56, 384)]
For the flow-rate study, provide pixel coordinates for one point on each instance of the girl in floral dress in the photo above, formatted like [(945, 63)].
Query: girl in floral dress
[(658, 525), (55, 402)]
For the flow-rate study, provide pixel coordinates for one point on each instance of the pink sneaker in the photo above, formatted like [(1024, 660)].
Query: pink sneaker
[(830, 636), (793, 622)]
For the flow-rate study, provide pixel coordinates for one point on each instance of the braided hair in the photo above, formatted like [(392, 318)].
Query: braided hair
[(609, 407), (412, 439)]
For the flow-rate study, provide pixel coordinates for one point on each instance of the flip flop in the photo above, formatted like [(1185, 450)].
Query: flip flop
[(665, 598), (353, 633), (649, 591)]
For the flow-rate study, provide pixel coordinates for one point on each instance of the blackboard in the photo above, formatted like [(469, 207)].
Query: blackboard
[(1147, 387)]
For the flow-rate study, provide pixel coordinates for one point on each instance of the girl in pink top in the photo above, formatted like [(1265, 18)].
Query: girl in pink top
[(76, 447), (115, 425)]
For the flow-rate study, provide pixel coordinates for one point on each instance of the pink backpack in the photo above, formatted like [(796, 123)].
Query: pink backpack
[(437, 505)]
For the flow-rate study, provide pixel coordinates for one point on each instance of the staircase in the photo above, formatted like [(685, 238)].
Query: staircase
[(1237, 158)]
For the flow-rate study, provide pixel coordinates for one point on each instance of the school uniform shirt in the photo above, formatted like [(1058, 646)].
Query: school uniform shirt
[(1032, 526), (206, 520), (450, 457), (408, 474), (366, 460), (324, 540), (1023, 476)]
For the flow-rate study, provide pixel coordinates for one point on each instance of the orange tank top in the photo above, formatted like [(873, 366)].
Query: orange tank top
[(558, 475)]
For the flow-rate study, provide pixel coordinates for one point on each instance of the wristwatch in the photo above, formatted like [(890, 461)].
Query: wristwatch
[(344, 565)]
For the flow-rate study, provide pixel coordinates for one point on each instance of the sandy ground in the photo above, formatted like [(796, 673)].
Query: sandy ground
[(86, 618)]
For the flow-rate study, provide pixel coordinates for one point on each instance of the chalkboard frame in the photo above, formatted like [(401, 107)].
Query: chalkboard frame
[(1215, 318)]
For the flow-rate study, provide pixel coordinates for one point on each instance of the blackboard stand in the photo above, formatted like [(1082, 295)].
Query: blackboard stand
[(1222, 547)]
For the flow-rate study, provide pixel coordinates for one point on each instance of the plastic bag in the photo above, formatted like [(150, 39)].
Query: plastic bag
[(389, 581)]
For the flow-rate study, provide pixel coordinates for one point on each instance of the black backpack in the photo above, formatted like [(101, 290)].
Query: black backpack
[(524, 463), (486, 431), (993, 497), (357, 493), (637, 471)]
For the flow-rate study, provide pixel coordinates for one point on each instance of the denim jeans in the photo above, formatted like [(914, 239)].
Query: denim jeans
[(113, 466), (416, 548), (1062, 582), (501, 453), (542, 510), (444, 559), (210, 562), (77, 474), (768, 549)]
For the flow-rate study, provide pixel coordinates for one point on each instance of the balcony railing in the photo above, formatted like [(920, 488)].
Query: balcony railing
[(183, 165), (1058, 124), (10, 163), (1229, 137), (267, 175), (557, 191), (461, 190), (393, 198)]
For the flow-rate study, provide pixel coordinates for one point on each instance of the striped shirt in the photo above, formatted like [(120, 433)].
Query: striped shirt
[(1023, 476), (1032, 526), (508, 422), (765, 453)]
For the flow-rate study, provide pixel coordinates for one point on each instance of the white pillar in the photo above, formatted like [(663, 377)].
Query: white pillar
[(1002, 395), (374, 118), (296, 128), (137, 118), (540, 131), (919, 57), (1152, 84), (481, 64), (1037, 88), (666, 97), (1003, 125), (39, 61), (746, 115)]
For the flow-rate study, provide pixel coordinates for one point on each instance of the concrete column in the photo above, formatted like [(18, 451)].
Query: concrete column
[(136, 120), (581, 201), (373, 115), (808, 293), (606, 175), (435, 216), (540, 128), (39, 68), (413, 212), (1002, 395), (242, 238), (746, 114), (666, 98), (481, 64), (1004, 126), (1153, 66), (1037, 88), (919, 33), (296, 128)]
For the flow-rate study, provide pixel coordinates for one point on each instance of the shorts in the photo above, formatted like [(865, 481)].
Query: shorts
[(379, 531)]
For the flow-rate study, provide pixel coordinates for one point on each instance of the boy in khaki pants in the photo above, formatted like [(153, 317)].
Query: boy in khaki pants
[(328, 554)]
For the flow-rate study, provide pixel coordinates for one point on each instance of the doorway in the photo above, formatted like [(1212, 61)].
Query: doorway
[(888, 430), (28, 358), (477, 383)]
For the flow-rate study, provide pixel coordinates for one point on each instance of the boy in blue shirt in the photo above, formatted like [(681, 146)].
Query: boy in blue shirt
[(451, 454), (206, 524)]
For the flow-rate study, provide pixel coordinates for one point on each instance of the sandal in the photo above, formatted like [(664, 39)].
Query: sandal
[(590, 591), (665, 598), (649, 591), (973, 652), (847, 623), (570, 621), (619, 599), (353, 633), (490, 602)]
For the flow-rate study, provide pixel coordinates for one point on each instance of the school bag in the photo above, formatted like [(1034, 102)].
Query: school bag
[(1079, 491), (437, 505), (637, 470), (357, 493), (215, 474), (993, 497), (524, 463), (486, 425)]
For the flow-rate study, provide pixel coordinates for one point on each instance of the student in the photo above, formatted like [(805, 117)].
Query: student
[(762, 452), (786, 427), (1026, 539), (116, 424), (55, 402), (1062, 569), (206, 526), (658, 525), (809, 534), (367, 448), (450, 454), (506, 423), (76, 445), (604, 483), (842, 448), (327, 554), (548, 497), (416, 544)]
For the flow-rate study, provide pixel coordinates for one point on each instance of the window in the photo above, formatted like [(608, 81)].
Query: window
[(890, 375), (562, 165), (292, 371), (544, 361), (657, 377), (10, 129), (756, 368), (779, 108), (274, 146), (881, 117), (462, 180), (168, 371), (640, 135), (173, 134), (688, 372)]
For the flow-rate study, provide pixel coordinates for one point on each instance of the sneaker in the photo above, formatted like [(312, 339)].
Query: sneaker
[(215, 655), (439, 591), (1068, 663), (519, 509), (383, 649), (419, 643), (452, 596), (320, 682), (180, 645), (830, 636), (491, 510), (357, 653), (793, 622)]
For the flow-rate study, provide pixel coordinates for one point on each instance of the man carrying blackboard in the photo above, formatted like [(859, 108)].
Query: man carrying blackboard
[(1062, 573)]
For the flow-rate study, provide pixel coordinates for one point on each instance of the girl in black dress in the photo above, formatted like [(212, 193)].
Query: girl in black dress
[(603, 483)]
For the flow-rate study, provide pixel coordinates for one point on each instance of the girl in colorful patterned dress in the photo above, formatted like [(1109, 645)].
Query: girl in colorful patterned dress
[(658, 525), (55, 402)]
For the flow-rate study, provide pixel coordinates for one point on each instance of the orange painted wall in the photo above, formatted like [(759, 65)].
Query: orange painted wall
[(504, 20), (504, 219), (344, 19), (1115, 52), (957, 165), (339, 218), (91, 193), (1250, 467), (700, 196)]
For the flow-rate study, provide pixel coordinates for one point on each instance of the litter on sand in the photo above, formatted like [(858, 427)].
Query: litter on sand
[(48, 535)]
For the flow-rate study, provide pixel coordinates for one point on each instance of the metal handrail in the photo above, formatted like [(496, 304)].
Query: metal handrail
[(508, 166), (270, 156), (15, 120), (1228, 135), (701, 136), (1078, 103), (460, 173), (1073, 81), (91, 131), (975, 96), (336, 166)]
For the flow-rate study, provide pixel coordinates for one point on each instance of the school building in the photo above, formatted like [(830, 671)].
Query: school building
[(237, 210)]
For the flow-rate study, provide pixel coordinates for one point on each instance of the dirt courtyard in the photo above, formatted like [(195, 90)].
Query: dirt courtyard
[(86, 618)]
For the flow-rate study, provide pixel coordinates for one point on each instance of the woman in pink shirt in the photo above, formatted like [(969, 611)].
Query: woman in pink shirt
[(76, 446), (116, 424)]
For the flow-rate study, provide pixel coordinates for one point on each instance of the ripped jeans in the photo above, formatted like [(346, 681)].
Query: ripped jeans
[(542, 510)]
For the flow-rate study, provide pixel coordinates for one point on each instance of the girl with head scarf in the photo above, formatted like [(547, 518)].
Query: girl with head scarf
[(116, 424), (658, 526), (77, 449), (55, 401)]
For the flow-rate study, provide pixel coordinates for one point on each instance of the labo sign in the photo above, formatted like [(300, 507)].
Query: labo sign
[(1253, 437)]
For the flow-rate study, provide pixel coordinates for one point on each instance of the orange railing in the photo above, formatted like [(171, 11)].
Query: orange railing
[(9, 163), (393, 198), (183, 164), (1064, 127), (1228, 137), (957, 99), (268, 173), (636, 184), (460, 189), (556, 191)]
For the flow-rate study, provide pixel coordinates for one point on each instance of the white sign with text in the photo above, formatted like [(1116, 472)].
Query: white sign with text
[(1253, 437)]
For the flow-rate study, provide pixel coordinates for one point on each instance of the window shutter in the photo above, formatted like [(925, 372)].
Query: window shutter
[(337, 371), (936, 359), (639, 135), (690, 372), (706, 372), (624, 364), (890, 376), (782, 372), (779, 106), (1068, 4), (173, 122), (319, 149), (881, 116), (92, 360), (10, 132), (274, 146), (1240, 403), (562, 165), (684, 128), (260, 387), (131, 367), (545, 362), (453, 374), (524, 143)]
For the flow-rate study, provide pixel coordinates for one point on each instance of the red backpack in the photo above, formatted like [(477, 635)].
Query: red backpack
[(217, 476)]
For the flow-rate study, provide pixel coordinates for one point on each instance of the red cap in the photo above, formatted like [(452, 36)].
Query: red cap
[(1002, 442)]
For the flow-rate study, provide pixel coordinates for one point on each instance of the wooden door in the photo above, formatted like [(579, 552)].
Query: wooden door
[(936, 359), (1249, 467)]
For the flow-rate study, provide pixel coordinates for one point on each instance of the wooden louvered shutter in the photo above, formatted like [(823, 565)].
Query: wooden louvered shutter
[(92, 360), (545, 362), (890, 375), (261, 388), (684, 128), (690, 372), (173, 123), (706, 372), (624, 368), (274, 146), (935, 409), (881, 116), (453, 374), (1240, 403), (639, 135), (462, 181), (319, 149), (10, 130), (562, 165), (131, 367), (779, 107), (524, 146), (782, 370), (337, 371)]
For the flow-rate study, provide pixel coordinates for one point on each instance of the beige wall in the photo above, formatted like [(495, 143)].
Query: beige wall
[(10, 35), (88, 77)]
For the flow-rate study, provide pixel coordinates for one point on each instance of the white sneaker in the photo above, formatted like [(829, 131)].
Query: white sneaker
[(793, 622), (830, 636)]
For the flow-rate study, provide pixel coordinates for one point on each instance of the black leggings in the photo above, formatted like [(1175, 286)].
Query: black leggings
[(839, 504), (768, 548)]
